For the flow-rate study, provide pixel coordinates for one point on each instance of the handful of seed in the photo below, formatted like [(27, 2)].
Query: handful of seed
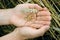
[(30, 13)]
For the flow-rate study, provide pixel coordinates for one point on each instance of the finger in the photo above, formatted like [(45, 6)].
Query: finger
[(34, 25), (42, 30), (44, 18), (43, 13), (36, 6), (45, 9), (37, 26), (42, 22), (17, 21)]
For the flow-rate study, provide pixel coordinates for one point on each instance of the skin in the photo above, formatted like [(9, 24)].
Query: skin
[(25, 29)]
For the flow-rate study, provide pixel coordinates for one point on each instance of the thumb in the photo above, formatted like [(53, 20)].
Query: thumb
[(41, 31)]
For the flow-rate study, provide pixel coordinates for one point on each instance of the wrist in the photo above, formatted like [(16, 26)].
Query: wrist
[(17, 34), (5, 15), (12, 36), (9, 13)]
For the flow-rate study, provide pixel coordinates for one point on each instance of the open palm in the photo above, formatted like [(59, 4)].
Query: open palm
[(42, 17)]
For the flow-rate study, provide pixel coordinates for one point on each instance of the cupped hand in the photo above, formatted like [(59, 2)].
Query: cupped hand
[(42, 21), (19, 18), (29, 32), (42, 17)]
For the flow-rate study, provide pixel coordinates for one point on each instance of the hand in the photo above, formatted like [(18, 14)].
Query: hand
[(42, 17), (42, 21), (18, 18), (29, 32)]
